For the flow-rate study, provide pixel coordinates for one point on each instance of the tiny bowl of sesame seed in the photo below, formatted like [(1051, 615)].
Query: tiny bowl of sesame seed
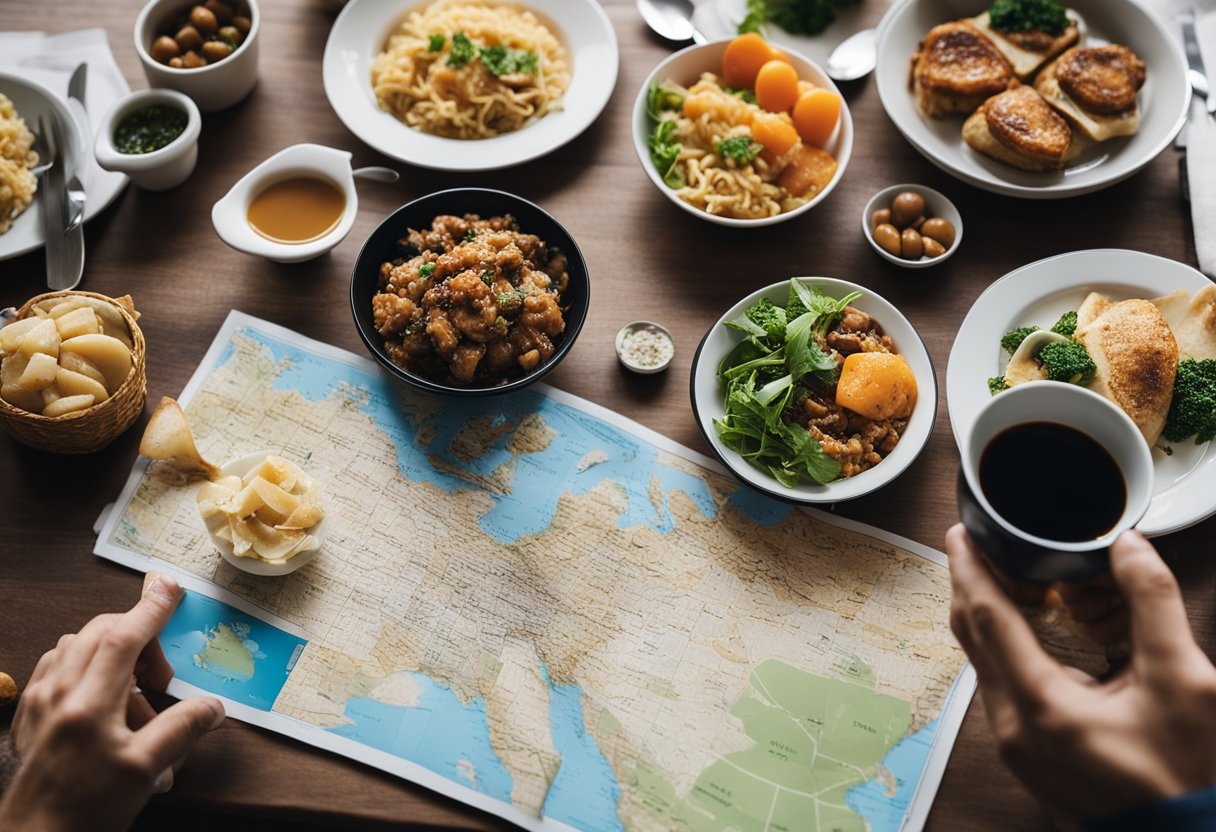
[(645, 347)]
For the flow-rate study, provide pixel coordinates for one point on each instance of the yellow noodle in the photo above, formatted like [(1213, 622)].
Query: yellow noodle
[(719, 185), (419, 88), (17, 184)]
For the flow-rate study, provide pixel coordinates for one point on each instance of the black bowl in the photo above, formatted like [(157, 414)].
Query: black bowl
[(532, 219)]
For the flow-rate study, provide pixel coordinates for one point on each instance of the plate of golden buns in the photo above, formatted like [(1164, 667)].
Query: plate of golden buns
[(1137, 329), (1032, 98)]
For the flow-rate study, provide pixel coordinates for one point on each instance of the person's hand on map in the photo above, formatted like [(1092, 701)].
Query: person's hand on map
[(92, 749), (1090, 750)]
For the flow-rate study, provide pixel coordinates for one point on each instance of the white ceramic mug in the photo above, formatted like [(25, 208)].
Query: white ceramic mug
[(161, 169)]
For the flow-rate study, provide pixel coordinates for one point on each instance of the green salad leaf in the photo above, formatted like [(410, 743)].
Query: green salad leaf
[(665, 153), (798, 17), (663, 97)]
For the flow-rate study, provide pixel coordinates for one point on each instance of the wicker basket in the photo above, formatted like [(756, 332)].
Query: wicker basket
[(84, 431)]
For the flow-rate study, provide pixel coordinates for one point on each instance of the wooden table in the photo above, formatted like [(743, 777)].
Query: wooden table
[(643, 254)]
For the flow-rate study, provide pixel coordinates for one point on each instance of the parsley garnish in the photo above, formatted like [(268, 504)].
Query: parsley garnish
[(500, 60), (469, 236), (1028, 15), (436, 43), (745, 95), (740, 148), (487, 277), (462, 52), (426, 270)]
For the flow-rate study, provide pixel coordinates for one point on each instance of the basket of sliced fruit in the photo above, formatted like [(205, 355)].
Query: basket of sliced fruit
[(71, 371)]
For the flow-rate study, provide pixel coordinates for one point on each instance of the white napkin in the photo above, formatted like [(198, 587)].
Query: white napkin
[(50, 59)]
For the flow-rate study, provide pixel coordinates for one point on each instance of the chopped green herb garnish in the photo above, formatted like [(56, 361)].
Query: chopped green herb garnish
[(435, 43), (503, 61), (997, 384), (469, 236), (1028, 15), (745, 95), (487, 277), (149, 128), (663, 97), (740, 148), (462, 52), (426, 270)]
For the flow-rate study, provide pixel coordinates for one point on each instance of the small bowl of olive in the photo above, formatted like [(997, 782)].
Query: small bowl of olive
[(912, 226), (207, 49)]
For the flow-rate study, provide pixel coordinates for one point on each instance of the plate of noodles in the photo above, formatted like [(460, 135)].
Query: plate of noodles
[(23, 98), (469, 85), (740, 133)]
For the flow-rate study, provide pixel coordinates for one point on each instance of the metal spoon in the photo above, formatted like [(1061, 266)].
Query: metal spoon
[(670, 19), (376, 174), (854, 58)]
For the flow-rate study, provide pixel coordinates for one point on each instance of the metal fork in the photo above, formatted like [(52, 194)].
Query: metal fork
[(42, 148)]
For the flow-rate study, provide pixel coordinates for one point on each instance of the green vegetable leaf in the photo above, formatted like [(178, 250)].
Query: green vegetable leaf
[(803, 355), (740, 148), (469, 235), (745, 95), (503, 61), (1028, 15), (1067, 325), (754, 20), (662, 97), (435, 43), (798, 17), (462, 52), (426, 270), (665, 153), (806, 297)]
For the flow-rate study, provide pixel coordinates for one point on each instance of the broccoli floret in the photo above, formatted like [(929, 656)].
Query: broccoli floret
[(766, 314), (510, 303), (1013, 339), (1067, 325), (1067, 361), (1193, 410), (997, 384)]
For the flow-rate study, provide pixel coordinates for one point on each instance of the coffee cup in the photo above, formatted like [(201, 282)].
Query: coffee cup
[(1015, 550)]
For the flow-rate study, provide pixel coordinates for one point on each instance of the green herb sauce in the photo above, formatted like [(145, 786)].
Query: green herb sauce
[(149, 128)]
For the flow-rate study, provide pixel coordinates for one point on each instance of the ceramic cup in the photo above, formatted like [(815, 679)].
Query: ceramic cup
[(1023, 555), (213, 87), (161, 169)]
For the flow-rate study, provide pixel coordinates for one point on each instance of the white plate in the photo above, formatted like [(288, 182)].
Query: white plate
[(1163, 99), (707, 396), (37, 92), (364, 26), (720, 19), (1185, 488)]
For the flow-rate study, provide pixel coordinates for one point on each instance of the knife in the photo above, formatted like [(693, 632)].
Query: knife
[(72, 222), (53, 203), (1195, 72)]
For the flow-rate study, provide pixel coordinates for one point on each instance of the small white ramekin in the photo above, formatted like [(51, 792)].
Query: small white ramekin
[(213, 87), (161, 169), (937, 204)]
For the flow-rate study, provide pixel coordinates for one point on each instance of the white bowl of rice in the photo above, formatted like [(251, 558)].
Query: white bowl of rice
[(722, 192)]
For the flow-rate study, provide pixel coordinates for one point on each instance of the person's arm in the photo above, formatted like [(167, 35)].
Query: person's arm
[(1091, 751), (92, 749), (1194, 812)]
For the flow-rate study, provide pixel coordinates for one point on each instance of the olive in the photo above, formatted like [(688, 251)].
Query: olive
[(164, 49), (243, 23), (887, 238), (940, 230), (222, 11), (906, 207), (879, 217), (917, 223), (911, 246), (203, 19), (932, 247), (193, 60), (230, 35), (176, 63), (188, 38), (216, 50)]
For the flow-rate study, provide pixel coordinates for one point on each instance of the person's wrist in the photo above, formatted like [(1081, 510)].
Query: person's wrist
[(9, 762)]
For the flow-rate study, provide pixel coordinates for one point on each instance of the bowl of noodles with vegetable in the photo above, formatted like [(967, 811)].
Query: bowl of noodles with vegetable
[(741, 133), (814, 390)]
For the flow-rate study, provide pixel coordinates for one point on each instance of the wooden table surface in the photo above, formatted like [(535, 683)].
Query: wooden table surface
[(646, 258)]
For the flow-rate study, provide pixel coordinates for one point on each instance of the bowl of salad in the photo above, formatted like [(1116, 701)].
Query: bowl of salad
[(814, 390)]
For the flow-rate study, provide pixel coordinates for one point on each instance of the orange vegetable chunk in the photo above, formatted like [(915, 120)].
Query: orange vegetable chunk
[(877, 385), (776, 86), (774, 132), (743, 58), (815, 115), (809, 171)]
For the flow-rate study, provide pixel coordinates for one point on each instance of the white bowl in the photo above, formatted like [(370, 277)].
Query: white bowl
[(635, 326), (937, 204), (213, 87), (1164, 99), (707, 396), (161, 169), (362, 29), (685, 68), (239, 467), (230, 215)]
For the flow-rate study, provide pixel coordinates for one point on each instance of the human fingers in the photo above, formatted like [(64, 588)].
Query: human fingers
[(73, 655), (139, 711), (169, 737), (998, 633), (1160, 630), (152, 668), (127, 638)]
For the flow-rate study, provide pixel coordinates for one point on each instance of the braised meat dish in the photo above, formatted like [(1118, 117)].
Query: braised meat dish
[(471, 302)]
